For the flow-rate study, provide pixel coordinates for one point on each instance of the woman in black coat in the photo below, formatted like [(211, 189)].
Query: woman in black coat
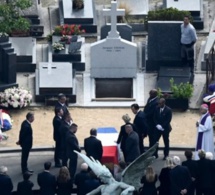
[(123, 135), (164, 178), (64, 182), (149, 180)]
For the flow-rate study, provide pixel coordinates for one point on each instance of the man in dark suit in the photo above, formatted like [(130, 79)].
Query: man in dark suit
[(57, 120), (46, 181), (64, 128), (140, 125), (62, 103), (71, 145), (180, 178), (149, 111), (25, 187), (162, 119), (131, 145), (205, 175), (25, 141), (80, 179), (6, 185), (193, 168), (93, 146)]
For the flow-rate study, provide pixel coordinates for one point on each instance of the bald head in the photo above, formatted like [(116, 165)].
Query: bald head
[(128, 128), (84, 167), (161, 102), (153, 93)]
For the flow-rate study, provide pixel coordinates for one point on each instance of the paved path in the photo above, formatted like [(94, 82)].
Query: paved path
[(37, 159)]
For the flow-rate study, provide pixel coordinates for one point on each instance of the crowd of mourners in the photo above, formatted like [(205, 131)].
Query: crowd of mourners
[(189, 177)]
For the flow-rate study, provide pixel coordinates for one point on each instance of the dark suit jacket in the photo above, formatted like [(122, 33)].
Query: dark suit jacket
[(80, 179), (163, 118), (64, 107), (164, 178), (64, 128), (140, 123), (25, 188), (25, 135), (132, 149), (6, 185), (149, 110), (180, 179), (47, 183), (192, 166), (123, 136), (64, 188), (205, 173), (71, 145), (56, 125), (93, 147)]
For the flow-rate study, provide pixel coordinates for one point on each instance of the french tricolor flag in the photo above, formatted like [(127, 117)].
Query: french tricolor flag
[(108, 137)]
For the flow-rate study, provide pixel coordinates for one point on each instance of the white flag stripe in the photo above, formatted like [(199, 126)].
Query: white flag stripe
[(108, 139)]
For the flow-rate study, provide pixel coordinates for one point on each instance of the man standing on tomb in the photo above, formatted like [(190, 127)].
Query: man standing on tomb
[(162, 119), (140, 125), (26, 141), (188, 39), (57, 120), (205, 134), (149, 111)]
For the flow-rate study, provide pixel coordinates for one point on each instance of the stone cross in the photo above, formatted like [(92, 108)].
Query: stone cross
[(113, 12)]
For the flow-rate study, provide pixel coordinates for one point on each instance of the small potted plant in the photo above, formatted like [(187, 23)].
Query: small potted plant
[(77, 4), (57, 46), (179, 96), (4, 37)]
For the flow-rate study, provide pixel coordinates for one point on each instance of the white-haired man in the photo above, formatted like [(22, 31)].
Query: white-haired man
[(204, 132), (6, 185), (180, 178)]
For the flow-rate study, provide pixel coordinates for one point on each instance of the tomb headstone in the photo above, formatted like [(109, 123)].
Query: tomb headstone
[(48, 81), (113, 57), (7, 66), (76, 58), (163, 44), (125, 31), (32, 13), (85, 17), (195, 7), (25, 48), (138, 7)]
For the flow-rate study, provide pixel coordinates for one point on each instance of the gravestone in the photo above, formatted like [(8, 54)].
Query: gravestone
[(25, 48), (32, 13), (85, 17), (49, 80), (195, 7), (138, 7), (125, 31), (76, 58), (163, 44), (7, 65), (113, 58)]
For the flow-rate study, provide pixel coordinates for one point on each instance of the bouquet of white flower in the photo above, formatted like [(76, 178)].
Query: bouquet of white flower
[(58, 46), (15, 97)]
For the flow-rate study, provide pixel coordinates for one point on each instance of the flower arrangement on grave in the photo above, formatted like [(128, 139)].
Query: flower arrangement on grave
[(65, 39), (15, 97), (3, 34), (77, 4), (58, 46), (67, 29)]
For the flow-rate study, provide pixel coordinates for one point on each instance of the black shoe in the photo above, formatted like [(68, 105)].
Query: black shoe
[(30, 171), (58, 165), (156, 156)]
